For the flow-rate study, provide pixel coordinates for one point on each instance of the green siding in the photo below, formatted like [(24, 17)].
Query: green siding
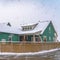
[(6, 36), (49, 33), (15, 38)]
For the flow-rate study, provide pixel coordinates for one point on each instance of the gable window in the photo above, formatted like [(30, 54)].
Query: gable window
[(27, 28), (45, 38), (49, 38), (49, 28)]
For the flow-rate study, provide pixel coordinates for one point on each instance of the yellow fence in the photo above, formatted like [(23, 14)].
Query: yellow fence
[(27, 47)]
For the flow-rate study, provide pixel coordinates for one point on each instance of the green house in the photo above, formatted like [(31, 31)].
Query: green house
[(49, 34), (42, 31)]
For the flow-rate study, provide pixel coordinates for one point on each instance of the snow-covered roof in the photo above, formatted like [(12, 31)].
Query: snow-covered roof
[(40, 27), (28, 24)]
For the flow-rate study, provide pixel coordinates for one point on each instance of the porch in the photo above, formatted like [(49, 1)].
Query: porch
[(30, 38)]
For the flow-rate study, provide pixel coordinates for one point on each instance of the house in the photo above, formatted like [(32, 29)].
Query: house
[(42, 31)]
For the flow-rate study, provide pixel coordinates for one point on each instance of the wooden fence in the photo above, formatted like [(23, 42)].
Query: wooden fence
[(27, 47)]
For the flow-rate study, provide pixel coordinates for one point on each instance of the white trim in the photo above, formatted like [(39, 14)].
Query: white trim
[(40, 38), (3, 40), (33, 37)]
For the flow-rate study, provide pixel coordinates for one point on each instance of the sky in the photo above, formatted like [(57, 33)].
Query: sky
[(30, 11)]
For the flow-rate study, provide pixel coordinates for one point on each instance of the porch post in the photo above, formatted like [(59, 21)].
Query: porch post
[(24, 38), (33, 37)]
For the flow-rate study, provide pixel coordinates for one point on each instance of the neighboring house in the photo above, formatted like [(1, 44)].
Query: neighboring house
[(43, 31)]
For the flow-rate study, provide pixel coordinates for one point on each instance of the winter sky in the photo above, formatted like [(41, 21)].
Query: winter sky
[(23, 11)]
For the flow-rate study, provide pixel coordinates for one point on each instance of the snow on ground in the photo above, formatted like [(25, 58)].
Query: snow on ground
[(28, 53)]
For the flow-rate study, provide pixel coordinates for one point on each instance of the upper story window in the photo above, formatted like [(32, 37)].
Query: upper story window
[(49, 38), (49, 28), (28, 27)]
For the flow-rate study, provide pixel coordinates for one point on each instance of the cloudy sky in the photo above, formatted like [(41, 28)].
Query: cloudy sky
[(23, 11)]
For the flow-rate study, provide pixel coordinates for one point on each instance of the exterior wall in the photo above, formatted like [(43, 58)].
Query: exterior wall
[(5, 36), (49, 33), (15, 37)]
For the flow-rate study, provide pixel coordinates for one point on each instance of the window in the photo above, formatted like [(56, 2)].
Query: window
[(30, 27), (10, 38), (49, 28), (23, 29), (53, 38), (3, 40), (49, 38), (27, 28), (55, 34)]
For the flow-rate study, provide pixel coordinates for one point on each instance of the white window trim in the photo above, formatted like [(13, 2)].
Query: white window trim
[(10, 36)]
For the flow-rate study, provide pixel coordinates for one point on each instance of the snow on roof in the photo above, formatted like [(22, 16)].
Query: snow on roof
[(30, 24), (5, 28), (15, 30), (42, 26)]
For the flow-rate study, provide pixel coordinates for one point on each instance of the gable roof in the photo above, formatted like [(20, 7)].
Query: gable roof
[(40, 27), (55, 29)]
